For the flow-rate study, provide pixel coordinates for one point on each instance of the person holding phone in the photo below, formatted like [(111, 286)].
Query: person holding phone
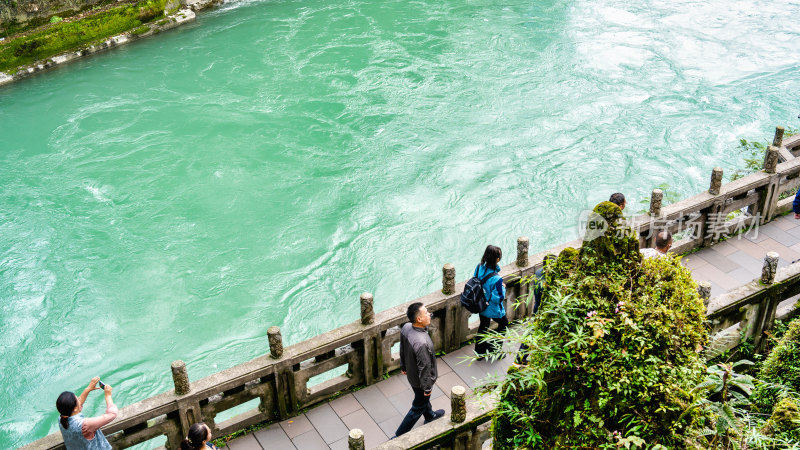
[(79, 432)]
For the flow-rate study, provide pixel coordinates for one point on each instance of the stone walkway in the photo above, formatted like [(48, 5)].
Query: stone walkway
[(378, 409), (739, 259)]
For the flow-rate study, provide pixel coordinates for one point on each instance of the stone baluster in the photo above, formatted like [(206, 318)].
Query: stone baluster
[(778, 140), (180, 377), (523, 244), (771, 159), (275, 342), (448, 279), (355, 440), (458, 404), (716, 181), (770, 267), (656, 197), (367, 311), (704, 289)]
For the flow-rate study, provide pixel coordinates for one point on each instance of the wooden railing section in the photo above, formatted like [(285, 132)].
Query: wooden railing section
[(279, 379)]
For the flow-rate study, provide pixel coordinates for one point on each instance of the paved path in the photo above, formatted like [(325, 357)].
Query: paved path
[(378, 409), (739, 259)]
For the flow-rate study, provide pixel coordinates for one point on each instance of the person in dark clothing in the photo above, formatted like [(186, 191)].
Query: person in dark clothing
[(796, 205), (494, 290), (618, 199), (418, 362)]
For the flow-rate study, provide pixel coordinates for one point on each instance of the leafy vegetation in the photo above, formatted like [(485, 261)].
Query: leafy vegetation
[(753, 155), (670, 196), (780, 372), (64, 36), (615, 360), (613, 353)]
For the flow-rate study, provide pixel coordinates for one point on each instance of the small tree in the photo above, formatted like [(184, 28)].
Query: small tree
[(612, 353)]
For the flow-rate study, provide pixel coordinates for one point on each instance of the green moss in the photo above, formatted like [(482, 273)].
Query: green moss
[(780, 372), (63, 37), (783, 364), (785, 420), (614, 348), (141, 30)]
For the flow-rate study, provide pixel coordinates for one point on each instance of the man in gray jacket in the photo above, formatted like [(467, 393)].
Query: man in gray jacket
[(418, 362)]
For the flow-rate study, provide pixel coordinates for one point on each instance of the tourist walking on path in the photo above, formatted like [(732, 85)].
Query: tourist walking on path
[(494, 291), (199, 437), (418, 362), (80, 433)]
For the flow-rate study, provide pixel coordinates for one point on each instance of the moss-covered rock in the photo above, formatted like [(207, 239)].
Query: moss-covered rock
[(782, 366), (612, 352), (780, 373), (785, 420)]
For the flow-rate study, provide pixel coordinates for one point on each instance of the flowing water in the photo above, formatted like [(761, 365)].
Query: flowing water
[(265, 165)]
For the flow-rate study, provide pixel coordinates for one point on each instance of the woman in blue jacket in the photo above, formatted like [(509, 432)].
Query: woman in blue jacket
[(495, 292)]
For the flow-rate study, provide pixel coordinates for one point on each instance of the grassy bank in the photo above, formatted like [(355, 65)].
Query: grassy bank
[(64, 36)]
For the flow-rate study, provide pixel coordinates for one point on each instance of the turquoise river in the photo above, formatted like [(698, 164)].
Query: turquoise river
[(266, 164)]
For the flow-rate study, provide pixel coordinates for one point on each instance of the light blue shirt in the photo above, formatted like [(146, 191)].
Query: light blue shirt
[(494, 291), (73, 436)]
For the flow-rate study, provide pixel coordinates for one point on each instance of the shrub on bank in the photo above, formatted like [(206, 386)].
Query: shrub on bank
[(780, 372), (65, 36), (613, 351)]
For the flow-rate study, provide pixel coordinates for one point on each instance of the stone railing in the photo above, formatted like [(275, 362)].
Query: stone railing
[(279, 381), (745, 312)]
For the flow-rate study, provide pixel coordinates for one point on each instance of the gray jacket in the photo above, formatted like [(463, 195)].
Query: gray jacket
[(417, 358)]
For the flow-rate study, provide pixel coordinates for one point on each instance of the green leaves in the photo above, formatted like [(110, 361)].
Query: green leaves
[(605, 353)]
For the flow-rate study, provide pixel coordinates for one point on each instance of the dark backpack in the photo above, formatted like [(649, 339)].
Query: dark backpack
[(473, 297)]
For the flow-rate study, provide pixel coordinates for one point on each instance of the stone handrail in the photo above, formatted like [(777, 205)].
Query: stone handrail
[(752, 307), (279, 379)]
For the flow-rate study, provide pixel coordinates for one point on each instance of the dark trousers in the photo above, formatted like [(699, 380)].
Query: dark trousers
[(421, 406), (482, 348)]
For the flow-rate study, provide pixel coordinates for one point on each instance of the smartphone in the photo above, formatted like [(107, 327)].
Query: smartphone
[(101, 384)]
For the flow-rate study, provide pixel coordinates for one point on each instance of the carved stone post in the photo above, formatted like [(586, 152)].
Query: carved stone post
[(655, 202), (704, 289), (275, 342), (367, 312), (355, 440), (716, 181), (448, 279), (770, 267), (771, 159), (180, 378), (778, 140), (458, 404), (523, 243)]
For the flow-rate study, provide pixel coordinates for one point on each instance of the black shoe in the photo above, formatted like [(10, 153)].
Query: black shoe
[(436, 415)]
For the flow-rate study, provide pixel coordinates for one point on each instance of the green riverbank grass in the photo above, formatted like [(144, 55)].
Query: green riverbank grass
[(65, 36)]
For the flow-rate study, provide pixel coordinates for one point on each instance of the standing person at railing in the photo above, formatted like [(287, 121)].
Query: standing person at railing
[(80, 433), (418, 362), (494, 291)]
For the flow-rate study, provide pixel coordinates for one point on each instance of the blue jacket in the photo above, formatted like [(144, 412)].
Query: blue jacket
[(495, 291), (796, 203)]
